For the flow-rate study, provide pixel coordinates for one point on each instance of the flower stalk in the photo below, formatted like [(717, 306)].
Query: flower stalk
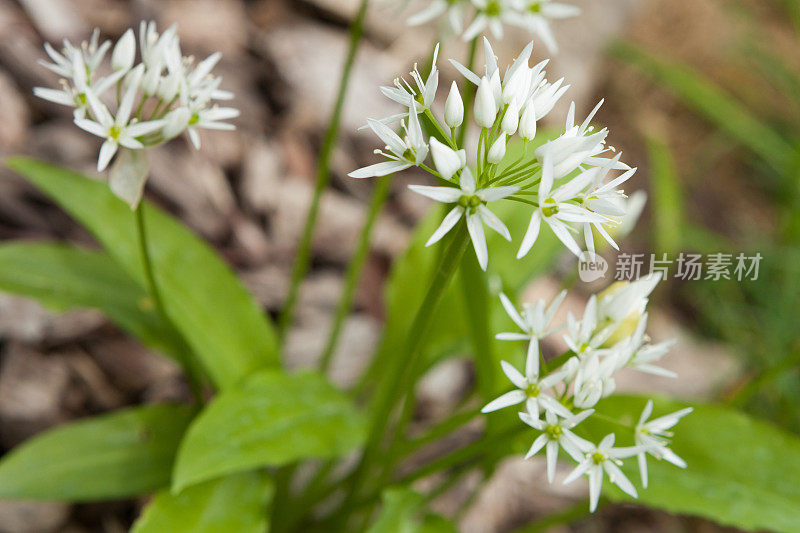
[(195, 383)]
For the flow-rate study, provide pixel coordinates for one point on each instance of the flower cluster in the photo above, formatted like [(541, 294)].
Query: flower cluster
[(154, 100), (565, 181), (558, 399), (492, 15)]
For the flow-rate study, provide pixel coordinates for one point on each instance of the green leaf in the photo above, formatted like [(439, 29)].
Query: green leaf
[(401, 507), (63, 277), (741, 471), (202, 296), (716, 105), (118, 455), (271, 420), (232, 503)]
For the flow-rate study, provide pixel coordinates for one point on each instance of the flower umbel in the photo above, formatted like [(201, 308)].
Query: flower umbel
[(156, 99)]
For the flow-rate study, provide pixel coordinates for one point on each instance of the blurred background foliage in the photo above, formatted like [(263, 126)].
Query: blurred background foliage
[(748, 161)]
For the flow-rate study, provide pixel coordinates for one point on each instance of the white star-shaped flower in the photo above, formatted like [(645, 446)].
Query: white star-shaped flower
[(604, 458), (530, 389), (471, 202), (118, 130), (637, 352), (653, 437), (556, 432), (411, 150), (533, 321), (556, 210)]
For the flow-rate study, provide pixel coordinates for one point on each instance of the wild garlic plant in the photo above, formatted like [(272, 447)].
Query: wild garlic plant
[(134, 104), (492, 15), (569, 184)]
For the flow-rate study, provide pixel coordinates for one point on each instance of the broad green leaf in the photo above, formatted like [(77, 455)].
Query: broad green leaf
[(63, 277), (236, 503), (401, 513), (272, 419), (123, 454), (716, 105), (202, 296), (741, 471)]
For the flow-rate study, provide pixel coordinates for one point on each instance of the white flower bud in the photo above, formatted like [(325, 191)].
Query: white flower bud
[(169, 86), (124, 52), (485, 105), (497, 88), (498, 150), (454, 108), (527, 124), (447, 160), (510, 119), (176, 121), (151, 79)]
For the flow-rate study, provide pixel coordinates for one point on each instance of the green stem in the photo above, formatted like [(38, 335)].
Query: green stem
[(354, 269), (323, 174), (402, 366), (147, 264)]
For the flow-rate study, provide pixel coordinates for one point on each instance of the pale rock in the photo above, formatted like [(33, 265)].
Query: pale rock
[(309, 57), (32, 388), (32, 516)]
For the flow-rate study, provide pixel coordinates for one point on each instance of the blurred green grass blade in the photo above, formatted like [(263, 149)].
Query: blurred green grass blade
[(667, 200), (775, 69), (272, 419), (203, 298), (63, 277), (236, 503), (792, 8), (123, 454), (742, 472), (714, 104), (401, 512)]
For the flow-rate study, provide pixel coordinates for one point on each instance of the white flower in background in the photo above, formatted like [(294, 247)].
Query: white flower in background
[(556, 433), (636, 352), (530, 389), (536, 17), (453, 11), (492, 14), (411, 150), (653, 438), (118, 130), (472, 204), (162, 96), (556, 210), (534, 321), (634, 205), (604, 458)]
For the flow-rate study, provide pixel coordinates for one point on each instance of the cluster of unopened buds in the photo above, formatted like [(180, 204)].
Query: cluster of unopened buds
[(531, 15), (563, 180), (568, 184), (153, 101)]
